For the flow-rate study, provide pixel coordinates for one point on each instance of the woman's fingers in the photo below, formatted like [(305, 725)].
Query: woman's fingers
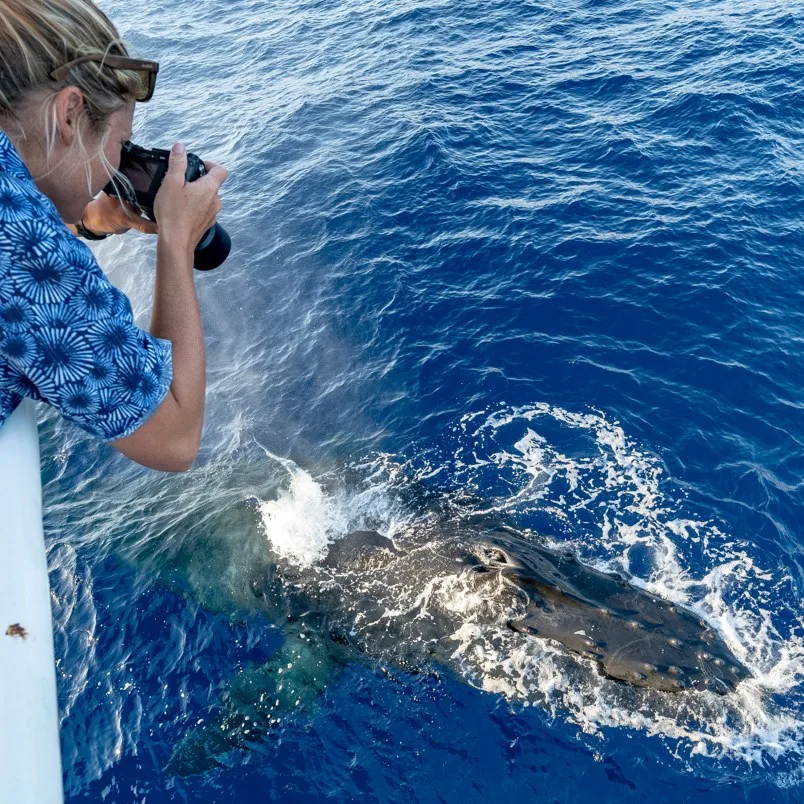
[(144, 226), (135, 220), (177, 165), (218, 172)]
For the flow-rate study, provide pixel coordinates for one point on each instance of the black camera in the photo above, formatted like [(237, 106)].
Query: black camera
[(145, 169)]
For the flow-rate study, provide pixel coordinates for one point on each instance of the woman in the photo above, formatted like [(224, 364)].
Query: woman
[(68, 91)]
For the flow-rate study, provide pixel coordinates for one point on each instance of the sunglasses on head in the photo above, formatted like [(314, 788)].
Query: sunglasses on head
[(146, 71)]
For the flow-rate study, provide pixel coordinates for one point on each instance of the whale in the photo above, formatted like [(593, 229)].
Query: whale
[(400, 603)]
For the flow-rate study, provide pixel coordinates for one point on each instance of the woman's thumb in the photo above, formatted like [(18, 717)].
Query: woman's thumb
[(177, 166)]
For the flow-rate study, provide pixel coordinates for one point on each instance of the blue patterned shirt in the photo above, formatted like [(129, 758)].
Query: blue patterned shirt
[(67, 335)]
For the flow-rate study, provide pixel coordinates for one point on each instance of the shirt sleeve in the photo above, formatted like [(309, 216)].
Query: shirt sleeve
[(68, 335)]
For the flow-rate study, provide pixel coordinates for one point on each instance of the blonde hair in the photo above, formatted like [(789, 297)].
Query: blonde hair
[(37, 37)]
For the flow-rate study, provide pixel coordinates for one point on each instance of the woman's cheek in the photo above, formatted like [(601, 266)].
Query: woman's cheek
[(112, 154), (111, 159)]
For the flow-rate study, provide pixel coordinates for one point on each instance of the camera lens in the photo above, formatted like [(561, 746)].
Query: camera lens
[(213, 249)]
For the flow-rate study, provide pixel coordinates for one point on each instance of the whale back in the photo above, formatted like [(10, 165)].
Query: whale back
[(632, 635)]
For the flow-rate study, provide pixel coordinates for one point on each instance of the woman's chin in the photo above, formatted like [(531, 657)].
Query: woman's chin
[(74, 213)]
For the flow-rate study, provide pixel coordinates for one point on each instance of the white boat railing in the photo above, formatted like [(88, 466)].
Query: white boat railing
[(30, 758)]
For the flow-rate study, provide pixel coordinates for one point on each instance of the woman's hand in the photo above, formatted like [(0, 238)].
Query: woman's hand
[(108, 215), (185, 210)]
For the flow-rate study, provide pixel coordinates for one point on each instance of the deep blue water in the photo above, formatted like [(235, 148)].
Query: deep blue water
[(542, 258)]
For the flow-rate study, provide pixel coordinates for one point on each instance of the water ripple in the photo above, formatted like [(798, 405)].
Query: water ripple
[(439, 209)]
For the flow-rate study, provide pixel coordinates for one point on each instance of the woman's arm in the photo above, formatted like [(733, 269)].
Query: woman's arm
[(170, 438)]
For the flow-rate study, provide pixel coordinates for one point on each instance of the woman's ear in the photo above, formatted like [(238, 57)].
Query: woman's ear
[(69, 108)]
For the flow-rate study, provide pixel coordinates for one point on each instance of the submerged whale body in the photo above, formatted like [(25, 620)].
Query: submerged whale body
[(403, 602)]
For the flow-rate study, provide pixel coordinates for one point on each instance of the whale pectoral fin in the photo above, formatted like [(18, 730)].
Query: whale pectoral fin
[(634, 636), (258, 700)]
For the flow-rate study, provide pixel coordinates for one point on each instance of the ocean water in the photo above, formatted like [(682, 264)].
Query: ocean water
[(539, 261)]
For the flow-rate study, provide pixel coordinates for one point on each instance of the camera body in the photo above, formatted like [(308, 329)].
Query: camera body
[(145, 168)]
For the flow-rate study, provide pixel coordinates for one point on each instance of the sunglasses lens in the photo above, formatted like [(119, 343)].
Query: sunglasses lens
[(146, 85)]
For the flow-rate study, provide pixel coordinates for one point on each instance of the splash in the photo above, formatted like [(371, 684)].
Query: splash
[(303, 520), (308, 515)]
